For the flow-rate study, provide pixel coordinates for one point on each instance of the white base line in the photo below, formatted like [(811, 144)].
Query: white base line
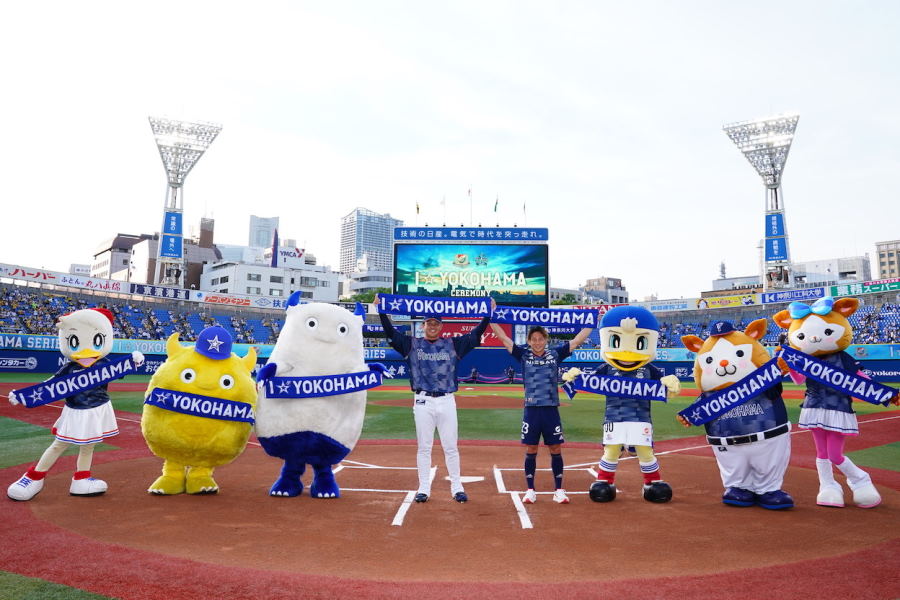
[(498, 477), (401, 512), (524, 519)]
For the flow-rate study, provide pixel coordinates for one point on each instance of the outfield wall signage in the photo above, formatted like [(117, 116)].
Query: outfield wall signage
[(158, 291), (57, 278), (792, 295), (868, 287)]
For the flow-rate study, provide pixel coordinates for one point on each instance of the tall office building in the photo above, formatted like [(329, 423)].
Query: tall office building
[(262, 230), (367, 233), (888, 254)]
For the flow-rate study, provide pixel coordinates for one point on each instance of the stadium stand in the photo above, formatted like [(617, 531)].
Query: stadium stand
[(34, 311)]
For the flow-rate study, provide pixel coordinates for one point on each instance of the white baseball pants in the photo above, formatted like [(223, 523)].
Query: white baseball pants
[(757, 467), (437, 412)]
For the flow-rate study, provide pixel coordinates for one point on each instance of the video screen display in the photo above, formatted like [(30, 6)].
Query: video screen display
[(512, 274)]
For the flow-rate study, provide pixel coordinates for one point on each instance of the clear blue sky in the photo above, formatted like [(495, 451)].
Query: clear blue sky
[(603, 118)]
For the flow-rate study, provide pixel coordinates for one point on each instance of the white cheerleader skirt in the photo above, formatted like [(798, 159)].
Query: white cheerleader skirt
[(829, 420), (86, 426)]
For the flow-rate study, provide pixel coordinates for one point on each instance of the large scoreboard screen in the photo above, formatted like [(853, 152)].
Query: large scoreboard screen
[(512, 274)]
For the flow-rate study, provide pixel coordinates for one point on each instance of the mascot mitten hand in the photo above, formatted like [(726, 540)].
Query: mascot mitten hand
[(12, 398), (138, 358), (673, 384), (380, 368), (267, 372), (570, 375), (682, 420)]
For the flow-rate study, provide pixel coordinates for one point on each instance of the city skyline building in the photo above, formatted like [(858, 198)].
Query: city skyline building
[(887, 255), (367, 233), (262, 231)]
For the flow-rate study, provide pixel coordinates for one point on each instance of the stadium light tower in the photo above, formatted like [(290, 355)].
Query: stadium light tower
[(766, 143), (180, 144)]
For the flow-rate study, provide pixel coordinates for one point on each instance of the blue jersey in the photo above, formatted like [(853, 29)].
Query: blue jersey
[(628, 410), (432, 365), (819, 395), (91, 398), (539, 373), (762, 412)]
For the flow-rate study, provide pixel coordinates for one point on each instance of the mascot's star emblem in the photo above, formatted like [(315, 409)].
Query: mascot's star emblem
[(283, 387), (214, 343), (161, 397), (395, 304), (500, 313), (695, 416)]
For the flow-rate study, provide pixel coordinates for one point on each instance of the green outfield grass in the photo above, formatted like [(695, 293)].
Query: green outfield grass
[(29, 588), (881, 457)]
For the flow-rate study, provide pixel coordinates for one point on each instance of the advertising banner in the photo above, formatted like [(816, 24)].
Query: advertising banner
[(868, 287), (727, 301), (171, 246), (776, 249), (480, 234), (514, 274), (488, 339), (57, 278), (792, 295), (172, 223), (775, 225), (669, 305), (158, 291)]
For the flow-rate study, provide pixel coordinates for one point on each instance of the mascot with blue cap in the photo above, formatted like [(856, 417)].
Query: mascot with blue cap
[(198, 411), (628, 338)]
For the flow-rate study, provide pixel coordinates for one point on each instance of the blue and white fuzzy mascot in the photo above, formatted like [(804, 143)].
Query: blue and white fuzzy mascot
[(317, 340)]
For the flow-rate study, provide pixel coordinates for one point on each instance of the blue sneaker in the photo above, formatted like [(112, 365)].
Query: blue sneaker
[(460, 497), (776, 500), (738, 497)]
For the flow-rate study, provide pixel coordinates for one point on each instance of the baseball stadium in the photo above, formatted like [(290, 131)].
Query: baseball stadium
[(224, 545), (459, 397)]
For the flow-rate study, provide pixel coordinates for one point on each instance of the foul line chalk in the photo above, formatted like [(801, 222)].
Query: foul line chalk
[(401, 512), (524, 519)]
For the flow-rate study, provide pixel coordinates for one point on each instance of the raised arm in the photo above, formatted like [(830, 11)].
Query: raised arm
[(579, 339), (504, 339), (399, 342), (466, 343)]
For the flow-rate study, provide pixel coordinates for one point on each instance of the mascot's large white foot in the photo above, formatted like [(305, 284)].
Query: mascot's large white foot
[(864, 493), (830, 492), (87, 487), (25, 488)]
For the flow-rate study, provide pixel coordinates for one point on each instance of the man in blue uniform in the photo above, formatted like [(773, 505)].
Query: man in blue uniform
[(432, 376), (540, 367)]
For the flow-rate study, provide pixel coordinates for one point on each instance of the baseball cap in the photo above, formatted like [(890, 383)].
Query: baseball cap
[(720, 328), (437, 318), (214, 342)]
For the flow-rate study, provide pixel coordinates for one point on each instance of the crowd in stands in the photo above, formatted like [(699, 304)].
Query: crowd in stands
[(32, 311), (29, 311)]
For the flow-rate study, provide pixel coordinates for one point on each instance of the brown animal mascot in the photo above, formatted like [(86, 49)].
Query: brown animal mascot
[(741, 407)]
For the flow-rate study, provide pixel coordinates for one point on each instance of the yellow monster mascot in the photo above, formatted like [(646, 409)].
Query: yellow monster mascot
[(198, 411)]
